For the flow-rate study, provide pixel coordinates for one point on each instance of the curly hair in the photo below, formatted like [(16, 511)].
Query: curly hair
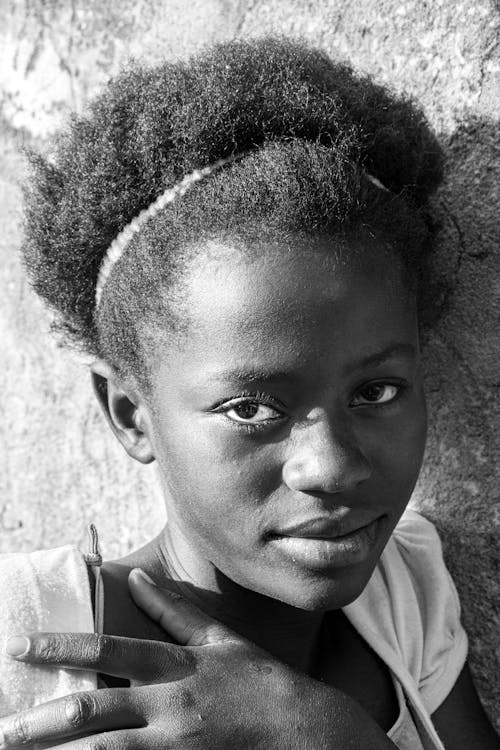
[(310, 130)]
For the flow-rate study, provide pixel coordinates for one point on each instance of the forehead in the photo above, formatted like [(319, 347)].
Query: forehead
[(284, 307), (255, 287)]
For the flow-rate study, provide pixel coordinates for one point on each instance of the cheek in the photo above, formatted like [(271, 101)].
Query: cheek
[(414, 434), (398, 452), (213, 475)]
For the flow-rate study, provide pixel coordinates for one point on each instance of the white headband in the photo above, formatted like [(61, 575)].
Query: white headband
[(376, 182), (122, 240)]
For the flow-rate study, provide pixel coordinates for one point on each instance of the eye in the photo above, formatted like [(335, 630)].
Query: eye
[(248, 411), (375, 394)]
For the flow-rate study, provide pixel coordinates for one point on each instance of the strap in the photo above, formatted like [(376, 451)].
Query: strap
[(93, 559)]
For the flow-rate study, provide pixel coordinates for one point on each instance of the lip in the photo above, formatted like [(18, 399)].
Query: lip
[(319, 543), (326, 527)]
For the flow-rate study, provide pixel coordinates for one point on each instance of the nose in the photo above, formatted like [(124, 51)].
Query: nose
[(325, 458)]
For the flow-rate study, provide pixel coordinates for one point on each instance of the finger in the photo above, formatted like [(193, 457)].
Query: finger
[(76, 714), (188, 624), (122, 739), (130, 658)]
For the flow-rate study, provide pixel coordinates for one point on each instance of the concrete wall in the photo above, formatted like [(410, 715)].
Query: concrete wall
[(60, 468)]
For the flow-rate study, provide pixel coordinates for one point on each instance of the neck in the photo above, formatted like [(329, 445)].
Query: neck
[(288, 633)]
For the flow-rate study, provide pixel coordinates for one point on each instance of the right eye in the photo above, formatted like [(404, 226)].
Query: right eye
[(248, 411)]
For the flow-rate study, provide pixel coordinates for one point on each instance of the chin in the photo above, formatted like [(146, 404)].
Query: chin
[(317, 574), (320, 594)]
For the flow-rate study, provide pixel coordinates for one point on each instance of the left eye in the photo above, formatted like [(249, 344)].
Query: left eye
[(376, 393), (250, 412)]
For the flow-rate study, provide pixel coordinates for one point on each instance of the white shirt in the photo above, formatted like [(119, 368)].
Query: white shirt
[(409, 613)]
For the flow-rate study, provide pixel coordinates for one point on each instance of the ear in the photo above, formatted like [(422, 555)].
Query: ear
[(124, 410)]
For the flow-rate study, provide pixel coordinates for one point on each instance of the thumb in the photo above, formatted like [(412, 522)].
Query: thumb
[(188, 624)]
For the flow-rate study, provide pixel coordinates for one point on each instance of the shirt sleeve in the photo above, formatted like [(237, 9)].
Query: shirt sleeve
[(444, 641)]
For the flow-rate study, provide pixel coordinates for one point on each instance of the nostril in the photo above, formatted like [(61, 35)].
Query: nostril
[(329, 473)]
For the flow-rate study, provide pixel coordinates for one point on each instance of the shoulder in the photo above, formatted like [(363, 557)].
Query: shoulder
[(34, 578), (414, 608), (433, 607), (414, 557), (415, 547), (39, 558), (417, 539), (40, 591)]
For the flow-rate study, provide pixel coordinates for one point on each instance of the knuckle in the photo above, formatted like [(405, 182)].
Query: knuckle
[(186, 699), (177, 663), (100, 648), (155, 672), (17, 732), (48, 647), (80, 709), (126, 741), (201, 634), (165, 664), (186, 732), (208, 633), (183, 707)]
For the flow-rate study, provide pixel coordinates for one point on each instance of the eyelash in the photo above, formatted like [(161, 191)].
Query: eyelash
[(401, 386), (248, 397), (263, 399)]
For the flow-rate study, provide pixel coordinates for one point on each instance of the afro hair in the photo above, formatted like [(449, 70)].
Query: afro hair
[(309, 129)]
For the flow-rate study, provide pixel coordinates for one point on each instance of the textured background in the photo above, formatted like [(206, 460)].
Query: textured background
[(60, 468)]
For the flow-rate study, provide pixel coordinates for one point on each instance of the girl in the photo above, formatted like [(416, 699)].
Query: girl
[(241, 242)]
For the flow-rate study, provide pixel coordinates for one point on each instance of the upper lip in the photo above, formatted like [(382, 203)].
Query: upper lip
[(326, 527)]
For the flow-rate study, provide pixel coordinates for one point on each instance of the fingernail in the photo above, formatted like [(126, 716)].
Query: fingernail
[(17, 645), (141, 574)]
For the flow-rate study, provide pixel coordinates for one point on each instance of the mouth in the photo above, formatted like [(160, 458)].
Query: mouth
[(325, 543)]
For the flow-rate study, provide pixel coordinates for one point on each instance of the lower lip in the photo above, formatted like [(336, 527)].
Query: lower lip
[(341, 551)]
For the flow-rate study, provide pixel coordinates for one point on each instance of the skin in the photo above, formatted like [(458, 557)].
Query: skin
[(295, 393), (297, 330)]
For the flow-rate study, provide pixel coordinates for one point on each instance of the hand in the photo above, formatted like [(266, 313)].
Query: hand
[(216, 690)]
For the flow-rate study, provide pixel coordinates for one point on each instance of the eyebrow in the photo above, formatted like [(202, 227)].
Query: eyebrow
[(247, 376), (261, 374), (394, 349)]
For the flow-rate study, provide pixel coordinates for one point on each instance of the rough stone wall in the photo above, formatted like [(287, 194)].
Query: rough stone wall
[(60, 468)]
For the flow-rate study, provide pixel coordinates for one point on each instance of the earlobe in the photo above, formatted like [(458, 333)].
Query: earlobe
[(124, 411)]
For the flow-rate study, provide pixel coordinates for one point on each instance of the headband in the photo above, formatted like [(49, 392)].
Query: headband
[(122, 240)]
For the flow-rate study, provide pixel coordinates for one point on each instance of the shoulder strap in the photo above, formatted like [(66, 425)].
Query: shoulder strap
[(93, 560)]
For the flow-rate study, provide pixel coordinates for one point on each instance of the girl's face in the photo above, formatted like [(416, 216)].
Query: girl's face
[(289, 421)]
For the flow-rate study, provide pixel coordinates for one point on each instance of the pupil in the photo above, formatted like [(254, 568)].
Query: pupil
[(247, 410), (374, 392)]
